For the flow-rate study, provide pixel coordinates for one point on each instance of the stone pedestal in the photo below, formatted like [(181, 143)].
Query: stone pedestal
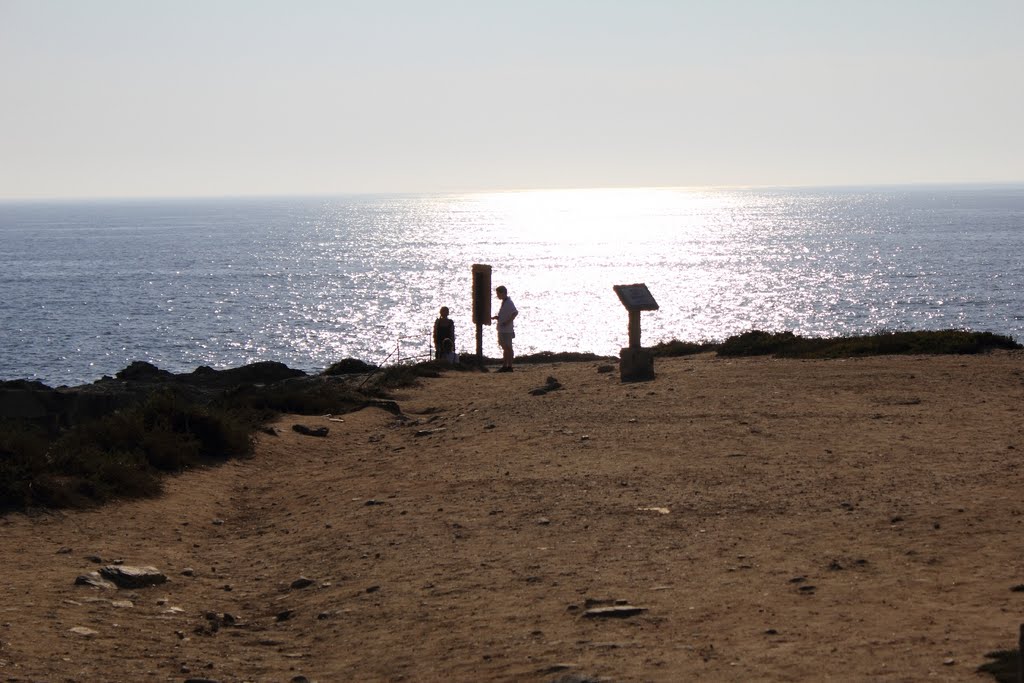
[(636, 365)]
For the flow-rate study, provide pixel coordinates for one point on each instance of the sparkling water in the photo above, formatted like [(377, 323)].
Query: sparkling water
[(88, 287)]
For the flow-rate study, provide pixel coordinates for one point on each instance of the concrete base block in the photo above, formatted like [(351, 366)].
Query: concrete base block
[(636, 365)]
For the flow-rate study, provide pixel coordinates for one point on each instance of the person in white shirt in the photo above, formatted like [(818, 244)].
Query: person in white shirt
[(506, 331)]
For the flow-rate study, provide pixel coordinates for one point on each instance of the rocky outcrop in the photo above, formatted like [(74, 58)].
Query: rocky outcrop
[(66, 406)]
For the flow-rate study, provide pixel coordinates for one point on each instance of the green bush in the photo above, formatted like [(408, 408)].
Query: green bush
[(119, 455), (789, 345), (679, 348)]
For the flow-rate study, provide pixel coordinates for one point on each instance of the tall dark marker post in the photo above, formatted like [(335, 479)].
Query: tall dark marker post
[(635, 362), (481, 305)]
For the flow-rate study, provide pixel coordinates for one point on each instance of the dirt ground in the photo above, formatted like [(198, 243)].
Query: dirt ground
[(771, 520)]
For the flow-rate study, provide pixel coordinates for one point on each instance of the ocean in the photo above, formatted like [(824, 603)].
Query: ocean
[(87, 287)]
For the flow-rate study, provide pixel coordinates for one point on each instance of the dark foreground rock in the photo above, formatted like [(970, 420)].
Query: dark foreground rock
[(66, 406)]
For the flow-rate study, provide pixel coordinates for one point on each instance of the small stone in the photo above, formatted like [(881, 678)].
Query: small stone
[(188, 571), (949, 661), (83, 631), (95, 580), (302, 582), (218, 522), (543, 521), (311, 431), (614, 612), (285, 615), (64, 550)]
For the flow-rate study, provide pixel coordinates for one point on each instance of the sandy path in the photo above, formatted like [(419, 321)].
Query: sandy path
[(843, 520)]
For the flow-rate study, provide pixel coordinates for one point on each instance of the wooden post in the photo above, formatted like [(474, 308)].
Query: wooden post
[(481, 305), (1020, 655), (634, 329)]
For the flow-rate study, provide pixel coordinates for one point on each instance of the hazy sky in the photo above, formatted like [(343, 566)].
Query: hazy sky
[(229, 97)]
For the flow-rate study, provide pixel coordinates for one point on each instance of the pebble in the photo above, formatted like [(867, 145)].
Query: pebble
[(83, 631)]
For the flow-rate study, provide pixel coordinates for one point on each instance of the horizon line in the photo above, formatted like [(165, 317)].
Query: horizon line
[(598, 188)]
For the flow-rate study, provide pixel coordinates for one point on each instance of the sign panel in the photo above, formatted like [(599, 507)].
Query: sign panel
[(636, 297)]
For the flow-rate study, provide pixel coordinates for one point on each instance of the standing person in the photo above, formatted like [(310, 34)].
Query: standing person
[(506, 331), (444, 328)]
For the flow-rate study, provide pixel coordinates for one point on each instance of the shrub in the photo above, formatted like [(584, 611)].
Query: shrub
[(679, 348), (788, 345), (119, 455), (349, 366), (757, 343)]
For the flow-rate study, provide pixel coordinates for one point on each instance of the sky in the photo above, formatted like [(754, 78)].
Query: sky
[(148, 98)]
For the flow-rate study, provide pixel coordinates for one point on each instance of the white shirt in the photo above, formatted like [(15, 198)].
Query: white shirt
[(506, 314)]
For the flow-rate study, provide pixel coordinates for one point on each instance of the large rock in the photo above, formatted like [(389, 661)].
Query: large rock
[(132, 577)]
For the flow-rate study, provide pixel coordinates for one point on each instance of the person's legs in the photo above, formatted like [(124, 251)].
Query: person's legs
[(505, 342)]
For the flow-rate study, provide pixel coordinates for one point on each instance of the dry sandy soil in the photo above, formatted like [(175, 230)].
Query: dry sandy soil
[(776, 520)]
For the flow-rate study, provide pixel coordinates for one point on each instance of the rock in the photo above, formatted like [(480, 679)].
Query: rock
[(428, 432), (133, 577), (64, 550), (302, 582), (576, 678), (285, 615), (95, 580), (310, 431), (83, 631), (142, 371), (122, 603), (188, 571), (551, 384), (614, 611)]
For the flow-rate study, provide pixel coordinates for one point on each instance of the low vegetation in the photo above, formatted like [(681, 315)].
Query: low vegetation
[(125, 453), (120, 455), (789, 345)]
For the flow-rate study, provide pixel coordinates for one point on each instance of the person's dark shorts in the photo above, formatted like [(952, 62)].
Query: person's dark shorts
[(505, 339)]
